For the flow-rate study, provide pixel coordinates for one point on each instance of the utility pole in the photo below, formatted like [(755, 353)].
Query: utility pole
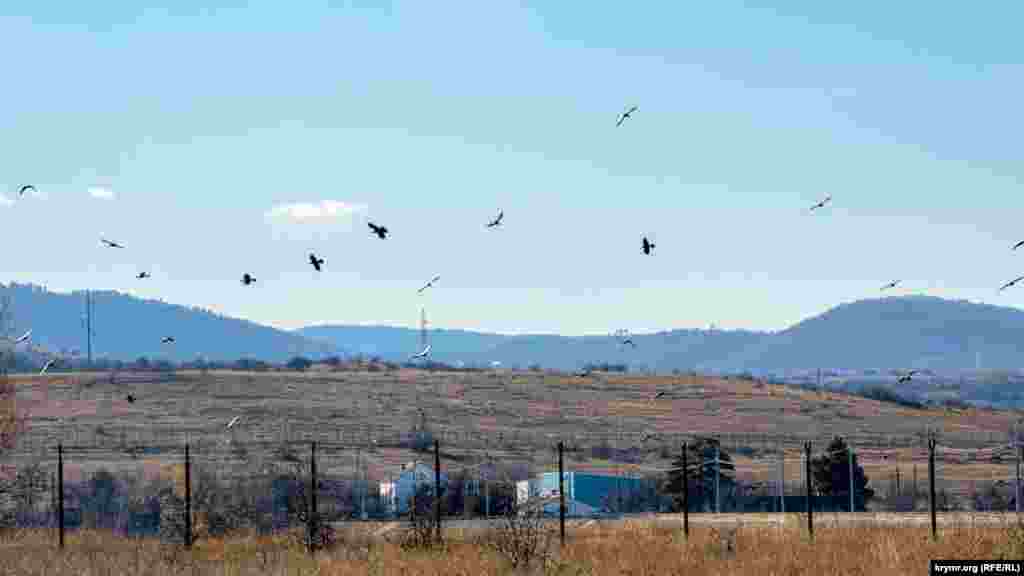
[(931, 483), (849, 452), (1017, 450), (782, 477), (561, 494), (686, 495), (717, 499), (807, 487), (915, 483), (1018, 498), (88, 324)]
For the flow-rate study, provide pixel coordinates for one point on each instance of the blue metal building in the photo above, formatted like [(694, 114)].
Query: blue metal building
[(585, 491)]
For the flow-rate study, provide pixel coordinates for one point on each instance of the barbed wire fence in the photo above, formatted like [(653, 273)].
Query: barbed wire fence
[(200, 486)]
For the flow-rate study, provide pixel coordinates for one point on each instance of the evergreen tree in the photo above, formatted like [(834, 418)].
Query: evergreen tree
[(831, 472), (700, 475)]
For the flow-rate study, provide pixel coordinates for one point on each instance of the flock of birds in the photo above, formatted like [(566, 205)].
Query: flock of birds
[(382, 232)]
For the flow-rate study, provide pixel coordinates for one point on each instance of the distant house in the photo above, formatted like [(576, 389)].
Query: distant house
[(585, 493), (397, 495)]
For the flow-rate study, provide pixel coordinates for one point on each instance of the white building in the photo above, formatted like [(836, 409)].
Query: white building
[(396, 495)]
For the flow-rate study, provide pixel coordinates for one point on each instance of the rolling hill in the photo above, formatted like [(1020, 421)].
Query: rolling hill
[(895, 332), (126, 328), (882, 333)]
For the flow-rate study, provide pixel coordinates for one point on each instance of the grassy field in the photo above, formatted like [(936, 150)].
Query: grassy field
[(636, 548), (506, 414)]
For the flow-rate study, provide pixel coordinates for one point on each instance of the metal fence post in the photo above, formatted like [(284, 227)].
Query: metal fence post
[(60, 493), (849, 454), (561, 494), (807, 484), (717, 499), (311, 520), (437, 489), (188, 499), (686, 496), (931, 484), (1017, 494), (782, 479)]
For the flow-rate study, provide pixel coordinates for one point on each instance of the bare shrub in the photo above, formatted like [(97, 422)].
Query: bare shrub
[(420, 533), (521, 536)]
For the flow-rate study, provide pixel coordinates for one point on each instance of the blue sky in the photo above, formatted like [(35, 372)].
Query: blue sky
[(429, 117)]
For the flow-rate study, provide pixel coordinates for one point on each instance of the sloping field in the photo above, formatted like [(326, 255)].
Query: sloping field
[(508, 415)]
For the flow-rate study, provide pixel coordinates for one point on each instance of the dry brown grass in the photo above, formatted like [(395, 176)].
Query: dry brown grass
[(634, 549)]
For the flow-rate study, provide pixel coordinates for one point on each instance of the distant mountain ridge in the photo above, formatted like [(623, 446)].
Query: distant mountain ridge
[(879, 333), (126, 328), (891, 332)]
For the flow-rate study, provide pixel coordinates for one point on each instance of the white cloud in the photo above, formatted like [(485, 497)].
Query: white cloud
[(312, 221), (5, 201), (325, 212), (101, 193)]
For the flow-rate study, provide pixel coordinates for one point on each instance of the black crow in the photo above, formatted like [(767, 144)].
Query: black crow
[(316, 262), (648, 246), (380, 231), (247, 279)]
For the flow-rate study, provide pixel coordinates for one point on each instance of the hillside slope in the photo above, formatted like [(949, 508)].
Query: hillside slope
[(126, 328)]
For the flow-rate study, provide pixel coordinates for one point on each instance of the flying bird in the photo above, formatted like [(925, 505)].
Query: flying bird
[(659, 395), (316, 262), (1011, 283), (26, 188), (23, 337), (629, 341), (906, 377), (167, 340), (111, 244), (648, 246), (1017, 245), (47, 366), (497, 221), (583, 373), (380, 231), (130, 399), (891, 284), (429, 284), (247, 279), (624, 115), (422, 354), (233, 422), (822, 203), (143, 275)]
